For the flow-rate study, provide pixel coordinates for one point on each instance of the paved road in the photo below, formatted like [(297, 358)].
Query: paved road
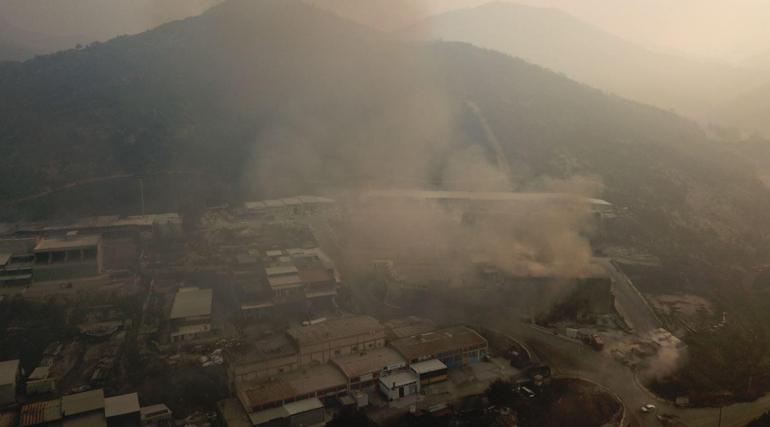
[(631, 303), (575, 359)]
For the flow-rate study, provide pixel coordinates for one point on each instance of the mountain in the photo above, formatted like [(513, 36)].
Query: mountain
[(749, 111), (557, 40), (266, 98), (36, 27), (17, 44)]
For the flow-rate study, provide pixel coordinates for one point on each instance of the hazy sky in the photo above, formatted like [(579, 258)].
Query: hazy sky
[(725, 29)]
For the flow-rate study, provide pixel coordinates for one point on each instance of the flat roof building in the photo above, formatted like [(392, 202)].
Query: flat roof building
[(455, 346), (364, 368), (399, 384), (337, 337), (122, 410), (9, 377), (69, 257), (317, 381)]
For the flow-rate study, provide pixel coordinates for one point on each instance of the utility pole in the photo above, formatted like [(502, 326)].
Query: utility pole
[(141, 193)]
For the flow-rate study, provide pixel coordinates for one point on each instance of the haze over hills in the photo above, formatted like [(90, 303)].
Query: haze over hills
[(275, 97), (35, 27), (557, 40)]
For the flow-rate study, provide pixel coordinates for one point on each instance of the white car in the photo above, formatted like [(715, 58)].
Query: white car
[(647, 408)]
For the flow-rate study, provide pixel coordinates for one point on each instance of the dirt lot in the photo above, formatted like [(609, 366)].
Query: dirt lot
[(572, 403)]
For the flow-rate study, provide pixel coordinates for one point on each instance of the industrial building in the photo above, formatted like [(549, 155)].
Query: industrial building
[(40, 381), (9, 379), (455, 346), (191, 314), (92, 409), (317, 381), (303, 345), (292, 277), (70, 257), (365, 368), (337, 337), (283, 209), (123, 410), (16, 261), (430, 371)]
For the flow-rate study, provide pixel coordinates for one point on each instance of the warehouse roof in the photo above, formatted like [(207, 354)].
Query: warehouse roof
[(371, 361), (334, 329), (9, 369), (64, 243), (121, 405), (481, 196), (428, 345), (294, 384), (190, 302), (82, 402)]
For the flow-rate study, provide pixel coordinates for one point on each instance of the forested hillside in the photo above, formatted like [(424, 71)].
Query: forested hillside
[(274, 97)]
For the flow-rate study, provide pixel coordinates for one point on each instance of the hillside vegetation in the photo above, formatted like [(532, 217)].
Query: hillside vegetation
[(556, 40), (276, 97)]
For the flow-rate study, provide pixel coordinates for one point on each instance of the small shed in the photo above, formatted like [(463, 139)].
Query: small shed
[(399, 384)]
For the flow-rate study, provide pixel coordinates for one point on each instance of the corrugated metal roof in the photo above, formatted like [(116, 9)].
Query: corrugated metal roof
[(40, 412), (82, 402), (190, 302)]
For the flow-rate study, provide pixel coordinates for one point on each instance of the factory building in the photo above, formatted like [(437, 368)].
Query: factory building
[(273, 393), (16, 261), (191, 314), (70, 257), (92, 409), (337, 337), (455, 347), (295, 278)]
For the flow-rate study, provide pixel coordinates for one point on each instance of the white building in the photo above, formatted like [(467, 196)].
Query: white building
[(399, 384)]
